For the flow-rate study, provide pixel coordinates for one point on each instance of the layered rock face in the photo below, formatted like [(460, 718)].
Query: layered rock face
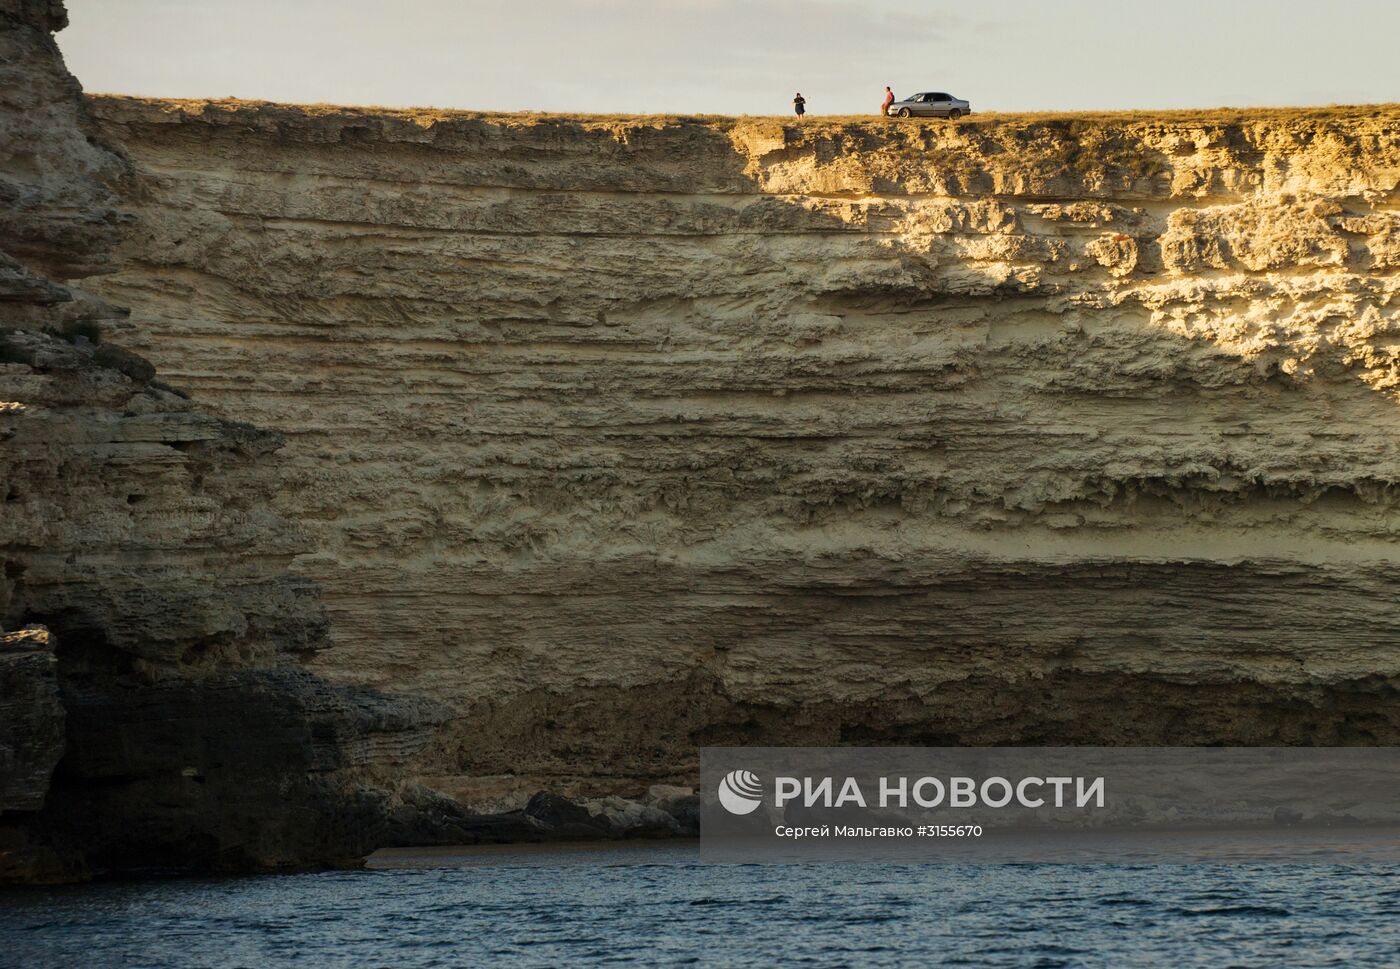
[(152, 708), (627, 436)]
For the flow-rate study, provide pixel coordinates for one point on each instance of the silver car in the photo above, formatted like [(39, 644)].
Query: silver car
[(931, 104)]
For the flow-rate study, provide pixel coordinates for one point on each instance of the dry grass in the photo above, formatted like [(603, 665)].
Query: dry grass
[(1217, 116)]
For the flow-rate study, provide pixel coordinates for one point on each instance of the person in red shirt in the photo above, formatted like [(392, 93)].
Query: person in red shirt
[(889, 100)]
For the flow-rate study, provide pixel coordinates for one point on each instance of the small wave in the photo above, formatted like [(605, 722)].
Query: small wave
[(739, 902), (1267, 910)]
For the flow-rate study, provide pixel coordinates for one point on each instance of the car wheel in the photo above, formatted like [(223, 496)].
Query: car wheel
[(954, 115), (904, 112)]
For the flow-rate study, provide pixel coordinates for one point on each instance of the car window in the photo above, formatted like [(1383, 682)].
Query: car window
[(938, 97), (921, 97)]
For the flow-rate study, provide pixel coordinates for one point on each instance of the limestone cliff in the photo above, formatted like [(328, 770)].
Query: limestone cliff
[(623, 436)]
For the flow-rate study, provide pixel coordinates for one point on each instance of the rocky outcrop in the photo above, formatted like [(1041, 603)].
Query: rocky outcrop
[(58, 214), (649, 433), (159, 717), (139, 530), (136, 523)]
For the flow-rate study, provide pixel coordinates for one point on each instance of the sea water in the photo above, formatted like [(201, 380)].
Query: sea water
[(655, 904)]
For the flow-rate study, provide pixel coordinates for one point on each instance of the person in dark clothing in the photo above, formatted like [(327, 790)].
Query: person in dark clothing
[(799, 104)]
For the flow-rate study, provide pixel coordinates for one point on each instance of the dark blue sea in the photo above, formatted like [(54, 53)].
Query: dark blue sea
[(647, 905)]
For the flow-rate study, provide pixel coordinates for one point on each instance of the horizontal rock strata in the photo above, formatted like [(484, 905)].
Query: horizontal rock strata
[(641, 434)]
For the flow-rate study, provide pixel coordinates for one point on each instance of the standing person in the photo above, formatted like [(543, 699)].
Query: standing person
[(889, 100), (799, 104)]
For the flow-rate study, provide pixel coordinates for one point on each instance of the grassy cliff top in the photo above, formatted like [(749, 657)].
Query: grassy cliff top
[(108, 104)]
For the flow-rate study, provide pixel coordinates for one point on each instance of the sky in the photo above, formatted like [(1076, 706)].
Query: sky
[(741, 56)]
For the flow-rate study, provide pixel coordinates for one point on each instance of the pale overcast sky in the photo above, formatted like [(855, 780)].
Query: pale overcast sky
[(741, 56)]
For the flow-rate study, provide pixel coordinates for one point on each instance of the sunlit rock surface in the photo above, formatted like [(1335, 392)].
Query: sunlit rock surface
[(623, 436)]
